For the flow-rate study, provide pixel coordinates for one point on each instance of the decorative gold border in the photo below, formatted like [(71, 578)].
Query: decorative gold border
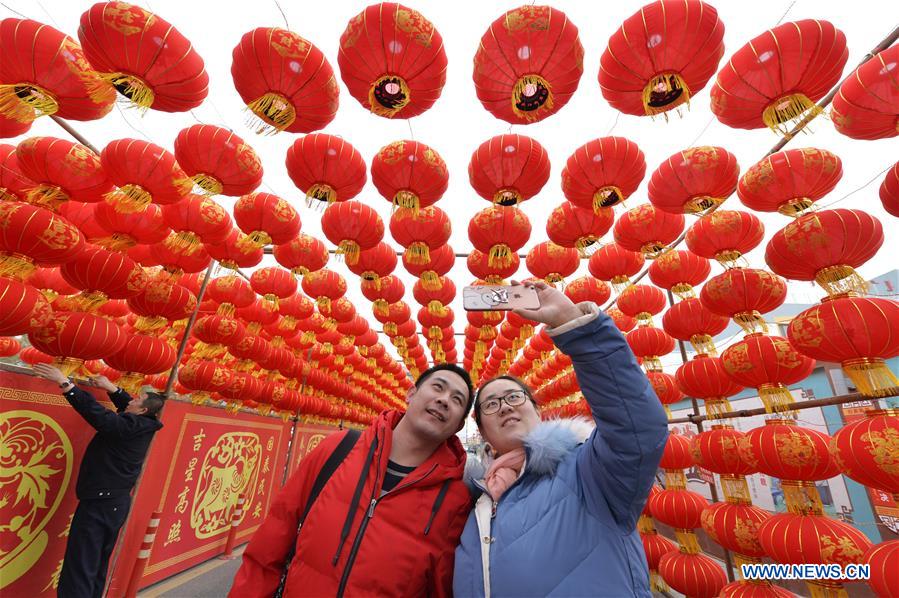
[(9, 393)]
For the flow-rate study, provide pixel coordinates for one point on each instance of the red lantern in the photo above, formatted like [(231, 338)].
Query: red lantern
[(703, 377), (73, 337), (30, 235), (867, 105), (744, 294), (716, 450), (769, 364), (826, 246), (889, 191), (23, 308), (45, 72), (10, 128), (615, 264), (217, 160), (32, 356), (790, 181), (127, 230), (736, 527), (429, 297), (392, 60), (679, 271), (143, 173), (478, 264), (588, 288), (420, 231), (141, 355), (388, 289), (375, 262), (9, 346), (204, 377), (217, 329), (571, 226), (689, 320), (647, 229), (266, 219), (803, 61), (353, 227), (661, 56), (649, 344), (442, 259), (725, 235), (677, 453), (694, 180), (302, 254), (623, 322), (603, 173), (884, 560), (857, 332), (528, 64), (694, 575), (326, 168), (508, 169), (14, 185), (409, 174), (324, 286), (785, 450), (284, 80), (679, 508), (862, 450), (196, 219), (642, 301), (499, 232), (551, 262), (104, 274), (161, 300), (62, 170), (144, 57), (235, 251), (666, 389), (230, 292), (273, 282), (180, 262)]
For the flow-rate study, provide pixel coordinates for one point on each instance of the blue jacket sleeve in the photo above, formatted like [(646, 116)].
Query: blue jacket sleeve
[(101, 418), (120, 398), (619, 461)]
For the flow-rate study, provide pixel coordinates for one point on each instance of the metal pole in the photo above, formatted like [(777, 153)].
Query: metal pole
[(68, 129), (190, 324)]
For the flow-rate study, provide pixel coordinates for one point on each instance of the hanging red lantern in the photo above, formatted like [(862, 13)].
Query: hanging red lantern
[(10, 128), (666, 389), (392, 60), (178, 261), (435, 299), (235, 252), (409, 174), (141, 355), (528, 64), (145, 58), (84, 217), (704, 377), (478, 264), (588, 288), (30, 235), (571, 226), (725, 235), (324, 286), (266, 219), (62, 170), (623, 322), (677, 452), (204, 377), (859, 333), (374, 262), (508, 169), (826, 246), (14, 185), (736, 527), (143, 173), (395, 314), (647, 229), (442, 259), (161, 300), (694, 180), (679, 508), (790, 181), (661, 56), (284, 80), (615, 264), (195, 220), (272, 282), (23, 308), (127, 230), (32, 356), (217, 330), (45, 72), (883, 559), (326, 168), (302, 254), (217, 160), (603, 173), (803, 61), (552, 263), (230, 292), (716, 451), (103, 275), (690, 321), (499, 232), (642, 301), (73, 337), (385, 290), (889, 191), (744, 294), (420, 231), (650, 344), (679, 271), (862, 450), (9, 346), (866, 105), (785, 450), (768, 364), (352, 226)]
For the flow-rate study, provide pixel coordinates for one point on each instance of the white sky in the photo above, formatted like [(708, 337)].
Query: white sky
[(457, 123)]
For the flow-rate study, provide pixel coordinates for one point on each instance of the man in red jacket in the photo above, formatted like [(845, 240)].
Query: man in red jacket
[(388, 520)]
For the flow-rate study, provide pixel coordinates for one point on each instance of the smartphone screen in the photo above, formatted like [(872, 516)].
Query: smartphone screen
[(499, 298)]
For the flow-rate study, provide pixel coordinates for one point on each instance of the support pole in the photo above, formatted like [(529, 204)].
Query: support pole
[(137, 572), (173, 374), (236, 520)]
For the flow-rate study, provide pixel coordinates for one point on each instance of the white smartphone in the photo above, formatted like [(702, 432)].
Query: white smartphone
[(499, 298)]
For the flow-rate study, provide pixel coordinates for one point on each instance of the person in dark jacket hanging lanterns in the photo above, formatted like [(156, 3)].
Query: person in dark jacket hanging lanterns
[(109, 469)]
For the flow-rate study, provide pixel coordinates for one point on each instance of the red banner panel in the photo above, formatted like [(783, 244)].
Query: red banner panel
[(305, 438), (42, 440)]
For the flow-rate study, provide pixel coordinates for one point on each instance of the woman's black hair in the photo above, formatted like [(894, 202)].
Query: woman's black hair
[(521, 383)]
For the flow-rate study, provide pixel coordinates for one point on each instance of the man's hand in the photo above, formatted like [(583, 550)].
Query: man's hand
[(48, 372), (555, 307), (101, 381)]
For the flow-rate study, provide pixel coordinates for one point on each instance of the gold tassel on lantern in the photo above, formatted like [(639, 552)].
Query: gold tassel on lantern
[(838, 280), (207, 184), (46, 196), (826, 589), (129, 199), (871, 376), (675, 479), (133, 88), (417, 253), (407, 199), (689, 543), (776, 397), (435, 308), (735, 489), (184, 242), (664, 92), (702, 204), (606, 197), (273, 113), (703, 344), (528, 90), (350, 250), (786, 109), (802, 498), (16, 266), (255, 240), (500, 256), (25, 102), (395, 88)]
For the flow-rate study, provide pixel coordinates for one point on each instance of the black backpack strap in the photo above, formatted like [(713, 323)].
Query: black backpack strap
[(334, 460)]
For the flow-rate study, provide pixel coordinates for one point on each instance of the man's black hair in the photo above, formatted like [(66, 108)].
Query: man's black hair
[(524, 387), (153, 403), (450, 367)]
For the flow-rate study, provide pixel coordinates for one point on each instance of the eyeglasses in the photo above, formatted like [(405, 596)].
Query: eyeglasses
[(512, 399)]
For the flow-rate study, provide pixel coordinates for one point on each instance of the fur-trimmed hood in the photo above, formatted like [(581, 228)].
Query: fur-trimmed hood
[(546, 446)]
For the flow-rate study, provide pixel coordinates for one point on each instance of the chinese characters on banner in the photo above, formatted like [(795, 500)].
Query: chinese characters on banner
[(306, 437)]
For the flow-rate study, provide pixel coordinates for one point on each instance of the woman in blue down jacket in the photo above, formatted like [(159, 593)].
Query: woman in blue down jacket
[(559, 500)]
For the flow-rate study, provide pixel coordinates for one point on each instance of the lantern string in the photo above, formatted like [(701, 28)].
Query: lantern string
[(4, 5), (286, 26), (46, 12), (128, 122), (853, 192), (783, 16)]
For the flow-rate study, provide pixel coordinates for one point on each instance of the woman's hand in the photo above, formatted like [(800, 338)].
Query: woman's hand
[(555, 307)]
